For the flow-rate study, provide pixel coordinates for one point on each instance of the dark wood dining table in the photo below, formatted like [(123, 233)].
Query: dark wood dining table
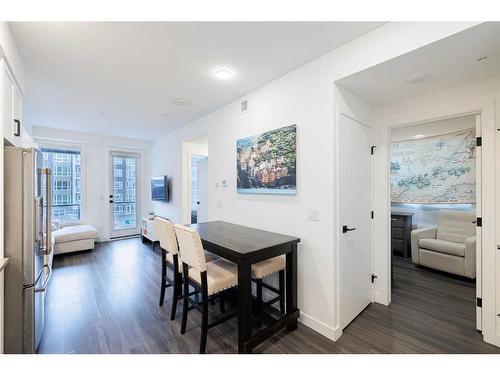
[(246, 246)]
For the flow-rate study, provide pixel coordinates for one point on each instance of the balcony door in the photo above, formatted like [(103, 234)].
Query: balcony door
[(123, 195)]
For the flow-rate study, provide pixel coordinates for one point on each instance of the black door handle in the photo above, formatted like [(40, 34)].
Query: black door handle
[(111, 201), (345, 229)]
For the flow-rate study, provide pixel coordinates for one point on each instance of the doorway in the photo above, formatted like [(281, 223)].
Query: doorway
[(123, 195), (435, 191), (195, 180), (355, 217)]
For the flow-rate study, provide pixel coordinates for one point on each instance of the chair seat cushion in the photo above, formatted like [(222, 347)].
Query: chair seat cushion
[(74, 233), (441, 246), (268, 267), (221, 275), (209, 257)]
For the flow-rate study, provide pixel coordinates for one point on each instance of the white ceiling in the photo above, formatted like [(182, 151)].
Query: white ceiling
[(449, 62), (120, 78)]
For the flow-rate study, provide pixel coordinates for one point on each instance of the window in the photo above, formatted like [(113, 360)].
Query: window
[(66, 184), (118, 185), (118, 172), (130, 173), (130, 184), (118, 197), (62, 185)]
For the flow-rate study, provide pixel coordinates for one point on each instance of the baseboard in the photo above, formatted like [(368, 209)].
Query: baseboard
[(320, 327), (380, 298)]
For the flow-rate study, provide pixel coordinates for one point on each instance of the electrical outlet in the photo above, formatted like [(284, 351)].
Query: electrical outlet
[(313, 214)]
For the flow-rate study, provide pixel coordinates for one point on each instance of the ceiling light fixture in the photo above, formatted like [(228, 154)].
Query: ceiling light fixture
[(180, 101), (223, 73), (164, 115)]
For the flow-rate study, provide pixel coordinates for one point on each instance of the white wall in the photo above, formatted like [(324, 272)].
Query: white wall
[(96, 149), (483, 96), (304, 97)]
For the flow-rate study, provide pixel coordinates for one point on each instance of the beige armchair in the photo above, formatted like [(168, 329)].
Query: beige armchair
[(449, 247)]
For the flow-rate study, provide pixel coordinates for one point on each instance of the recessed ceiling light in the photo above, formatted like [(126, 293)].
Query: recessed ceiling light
[(180, 101), (103, 114), (164, 115), (418, 78), (223, 73)]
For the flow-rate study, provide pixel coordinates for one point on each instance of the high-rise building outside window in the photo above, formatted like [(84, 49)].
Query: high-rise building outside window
[(66, 181)]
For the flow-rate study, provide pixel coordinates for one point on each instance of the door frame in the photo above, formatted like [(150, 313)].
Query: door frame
[(484, 108), (138, 174), (189, 148), (342, 110)]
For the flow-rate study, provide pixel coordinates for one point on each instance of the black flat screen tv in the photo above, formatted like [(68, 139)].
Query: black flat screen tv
[(159, 188)]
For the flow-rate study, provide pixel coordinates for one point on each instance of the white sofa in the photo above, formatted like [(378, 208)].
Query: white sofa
[(73, 238), (449, 247)]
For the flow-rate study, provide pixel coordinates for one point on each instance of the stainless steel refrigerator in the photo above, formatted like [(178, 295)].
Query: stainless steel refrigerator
[(28, 245)]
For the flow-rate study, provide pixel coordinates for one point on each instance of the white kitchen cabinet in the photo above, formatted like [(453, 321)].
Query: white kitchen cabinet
[(11, 107)]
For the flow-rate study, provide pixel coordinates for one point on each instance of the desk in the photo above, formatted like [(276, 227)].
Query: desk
[(245, 246)]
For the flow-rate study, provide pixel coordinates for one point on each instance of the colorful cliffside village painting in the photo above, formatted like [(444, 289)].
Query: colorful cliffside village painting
[(266, 163)]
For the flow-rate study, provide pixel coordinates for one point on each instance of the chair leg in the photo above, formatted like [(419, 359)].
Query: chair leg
[(176, 294), (163, 285), (281, 277), (222, 302), (258, 284), (185, 301), (204, 312)]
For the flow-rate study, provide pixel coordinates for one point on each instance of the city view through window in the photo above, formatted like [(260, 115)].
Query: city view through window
[(66, 184), (124, 195)]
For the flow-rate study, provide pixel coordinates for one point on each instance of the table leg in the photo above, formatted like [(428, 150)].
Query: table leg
[(291, 284), (244, 306)]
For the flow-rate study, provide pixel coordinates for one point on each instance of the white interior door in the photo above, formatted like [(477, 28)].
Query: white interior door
[(202, 198), (355, 206), (123, 197)]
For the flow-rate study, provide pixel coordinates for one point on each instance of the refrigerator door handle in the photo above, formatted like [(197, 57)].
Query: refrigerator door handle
[(48, 186), (43, 288)]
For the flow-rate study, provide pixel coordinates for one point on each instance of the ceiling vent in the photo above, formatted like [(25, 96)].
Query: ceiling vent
[(244, 106)]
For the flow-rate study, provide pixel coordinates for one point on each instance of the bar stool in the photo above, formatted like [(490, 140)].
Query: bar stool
[(210, 279), (261, 270), (170, 260)]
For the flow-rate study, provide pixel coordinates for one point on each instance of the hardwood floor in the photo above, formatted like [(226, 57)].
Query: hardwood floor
[(106, 301)]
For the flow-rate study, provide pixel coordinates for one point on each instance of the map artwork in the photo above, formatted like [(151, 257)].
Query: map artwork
[(438, 169)]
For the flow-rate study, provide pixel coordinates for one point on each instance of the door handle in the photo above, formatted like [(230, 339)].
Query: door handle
[(345, 229), (44, 286), (111, 201), (48, 195), (17, 129)]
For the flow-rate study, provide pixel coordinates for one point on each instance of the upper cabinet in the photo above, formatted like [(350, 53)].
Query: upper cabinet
[(11, 108)]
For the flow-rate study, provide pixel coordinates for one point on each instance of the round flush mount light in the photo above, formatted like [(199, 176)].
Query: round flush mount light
[(164, 115), (223, 73), (180, 101), (418, 78)]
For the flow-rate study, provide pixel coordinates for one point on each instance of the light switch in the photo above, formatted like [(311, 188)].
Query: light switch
[(217, 183), (224, 183), (219, 204), (313, 214)]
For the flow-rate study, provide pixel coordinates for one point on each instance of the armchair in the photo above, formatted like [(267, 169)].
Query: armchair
[(449, 247)]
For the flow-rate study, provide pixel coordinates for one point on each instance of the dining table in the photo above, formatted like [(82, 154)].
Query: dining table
[(245, 246)]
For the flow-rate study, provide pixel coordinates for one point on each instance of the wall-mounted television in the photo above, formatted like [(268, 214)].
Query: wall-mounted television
[(159, 188)]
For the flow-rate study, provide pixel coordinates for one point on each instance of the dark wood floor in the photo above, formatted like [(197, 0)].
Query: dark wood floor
[(106, 301)]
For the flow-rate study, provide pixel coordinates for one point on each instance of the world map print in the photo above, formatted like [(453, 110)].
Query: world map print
[(438, 169)]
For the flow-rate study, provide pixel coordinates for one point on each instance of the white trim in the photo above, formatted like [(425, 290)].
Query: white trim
[(320, 327)]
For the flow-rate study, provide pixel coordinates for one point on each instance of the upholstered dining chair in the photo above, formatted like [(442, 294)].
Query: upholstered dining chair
[(170, 260), (210, 279), (261, 270)]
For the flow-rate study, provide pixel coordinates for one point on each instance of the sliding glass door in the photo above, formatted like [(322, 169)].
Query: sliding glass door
[(123, 194)]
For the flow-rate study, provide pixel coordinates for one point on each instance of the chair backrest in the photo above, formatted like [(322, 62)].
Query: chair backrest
[(166, 235), (456, 226), (190, 247)]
